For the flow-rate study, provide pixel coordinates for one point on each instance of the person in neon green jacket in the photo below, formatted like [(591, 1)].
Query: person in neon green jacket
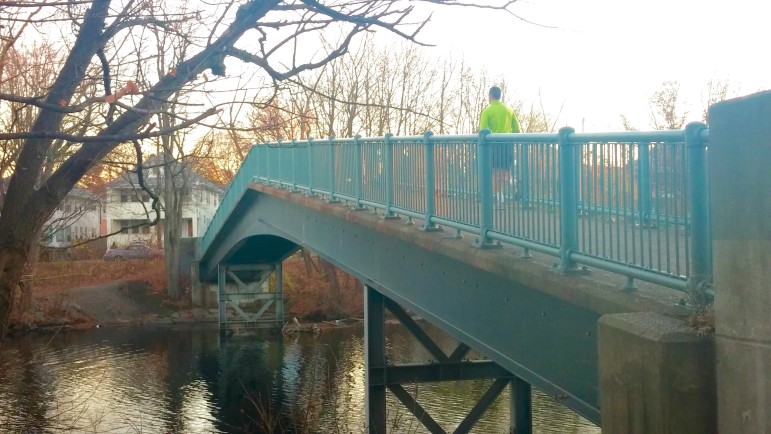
[(499, 118)]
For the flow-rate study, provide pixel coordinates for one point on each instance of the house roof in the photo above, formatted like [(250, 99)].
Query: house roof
[(153, 173)]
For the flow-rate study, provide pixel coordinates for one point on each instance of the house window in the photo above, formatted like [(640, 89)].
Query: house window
[(134, 227), (48, 235), (134, 196), (63, 235)]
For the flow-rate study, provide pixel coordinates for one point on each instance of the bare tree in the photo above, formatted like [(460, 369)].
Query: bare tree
[(100, 47), (717, 90), (666, 111), (375, 90)]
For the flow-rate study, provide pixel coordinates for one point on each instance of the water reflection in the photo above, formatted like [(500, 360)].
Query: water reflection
[(193, 381)]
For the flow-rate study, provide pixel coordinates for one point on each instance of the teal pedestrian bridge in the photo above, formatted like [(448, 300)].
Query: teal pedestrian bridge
[(517, 266)]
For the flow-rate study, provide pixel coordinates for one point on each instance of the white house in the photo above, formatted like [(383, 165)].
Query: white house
[(76, 220), (128, 207)]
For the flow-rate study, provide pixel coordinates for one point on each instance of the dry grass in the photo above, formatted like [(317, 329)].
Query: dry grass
[(54, 277), (310, 292), (703, 321), (51, 305)]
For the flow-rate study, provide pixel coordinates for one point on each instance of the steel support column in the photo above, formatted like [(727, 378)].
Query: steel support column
[(521, 407), (247, 284), (279, 293), (221, 303), (380, 374), (375, 359)]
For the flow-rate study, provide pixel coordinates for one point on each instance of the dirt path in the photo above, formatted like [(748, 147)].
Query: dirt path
[(110, 304), (107, 304)]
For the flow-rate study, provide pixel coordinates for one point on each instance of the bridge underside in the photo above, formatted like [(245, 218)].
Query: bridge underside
[(536, 324)]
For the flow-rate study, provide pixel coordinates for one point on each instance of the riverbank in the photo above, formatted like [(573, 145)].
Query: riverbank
[(88, 294)]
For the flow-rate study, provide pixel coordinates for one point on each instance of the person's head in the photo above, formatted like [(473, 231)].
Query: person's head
[(495, 93)]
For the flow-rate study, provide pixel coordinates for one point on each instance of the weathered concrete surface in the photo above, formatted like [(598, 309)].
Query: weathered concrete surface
[(656, 376), (740, 161), (203, 294)]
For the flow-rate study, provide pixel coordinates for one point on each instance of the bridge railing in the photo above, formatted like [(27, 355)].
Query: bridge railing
[(632, 203)]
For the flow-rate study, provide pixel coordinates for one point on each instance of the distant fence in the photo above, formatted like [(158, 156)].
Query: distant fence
[(632, 203)]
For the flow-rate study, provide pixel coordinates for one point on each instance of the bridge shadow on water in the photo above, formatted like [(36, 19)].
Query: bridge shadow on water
[(198, 381)]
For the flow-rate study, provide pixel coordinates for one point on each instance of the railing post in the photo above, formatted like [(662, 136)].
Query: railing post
[(358, 175), (428, 161), (332, 184), (293, 186), (644, 173), (389, 170), (278, 164), (579, 158), (700, 274), (568, 197), (310, 192), (485, 187)]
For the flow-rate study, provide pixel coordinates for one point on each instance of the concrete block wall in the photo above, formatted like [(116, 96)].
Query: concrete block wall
[(740, 184)]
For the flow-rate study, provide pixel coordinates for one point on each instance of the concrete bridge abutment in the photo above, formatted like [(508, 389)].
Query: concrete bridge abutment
[(740, 184), (657, 375)]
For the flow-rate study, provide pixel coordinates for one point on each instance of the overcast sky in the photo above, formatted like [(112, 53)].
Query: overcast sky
[(604, 58)]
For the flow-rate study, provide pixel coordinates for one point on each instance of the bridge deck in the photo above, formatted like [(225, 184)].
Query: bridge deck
[(518, 312), (634, 207)]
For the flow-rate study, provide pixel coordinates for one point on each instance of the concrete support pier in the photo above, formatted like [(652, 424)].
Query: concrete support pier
[(740, 183), (656, 376)]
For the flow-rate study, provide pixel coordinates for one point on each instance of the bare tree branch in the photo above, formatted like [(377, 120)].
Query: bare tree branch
[(109, 139)]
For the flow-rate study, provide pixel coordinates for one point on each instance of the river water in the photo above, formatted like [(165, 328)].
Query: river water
[(167, 380)]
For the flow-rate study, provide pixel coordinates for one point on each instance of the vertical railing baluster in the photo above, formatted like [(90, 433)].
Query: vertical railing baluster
[(293, 186), (310, 192), (485, 183), (644, 184), (278, 164), (332, 182), (568, 197), (389, 169), (701, 268), (428, 161), (358, 173), (524, 184)]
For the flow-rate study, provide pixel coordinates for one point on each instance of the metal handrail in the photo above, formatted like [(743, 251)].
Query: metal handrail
[(632, 203)]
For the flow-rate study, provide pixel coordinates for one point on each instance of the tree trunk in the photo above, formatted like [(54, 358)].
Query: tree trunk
[(171, 229), (12, 262), (26, 207), (330, 272), (31, 267)]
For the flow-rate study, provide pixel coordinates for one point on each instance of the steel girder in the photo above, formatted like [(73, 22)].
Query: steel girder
[(547, 341)]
